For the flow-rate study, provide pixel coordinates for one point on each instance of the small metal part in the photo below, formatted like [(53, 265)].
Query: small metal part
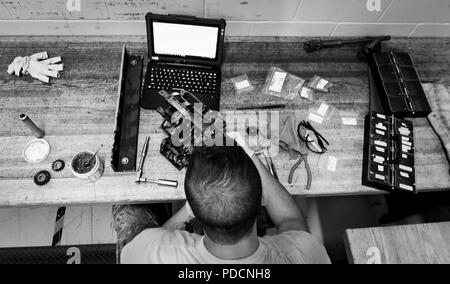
[(39, 133), (161, 182), (58, 165), (125, 161), (142, 160), (140, 179), (42, 178)]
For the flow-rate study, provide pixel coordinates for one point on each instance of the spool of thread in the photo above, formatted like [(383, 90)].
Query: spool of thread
[(39, 133)]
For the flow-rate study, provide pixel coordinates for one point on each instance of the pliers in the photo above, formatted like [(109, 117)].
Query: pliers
[(303, 157)]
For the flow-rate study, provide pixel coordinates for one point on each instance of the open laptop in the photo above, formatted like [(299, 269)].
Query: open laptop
[(185, 53)]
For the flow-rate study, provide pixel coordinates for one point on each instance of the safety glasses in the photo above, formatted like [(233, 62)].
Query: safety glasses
[(314, 141)]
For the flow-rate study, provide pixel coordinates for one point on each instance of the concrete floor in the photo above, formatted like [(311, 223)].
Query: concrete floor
[(327, 218)]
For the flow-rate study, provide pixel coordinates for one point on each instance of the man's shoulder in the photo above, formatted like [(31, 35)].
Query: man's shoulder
[(158, 243), (161, 237), (299, 246)]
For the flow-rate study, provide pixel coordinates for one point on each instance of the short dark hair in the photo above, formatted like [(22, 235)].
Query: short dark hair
[(224, 190)]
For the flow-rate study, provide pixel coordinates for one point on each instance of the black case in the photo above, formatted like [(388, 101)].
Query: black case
[(398, 84), (180, 19), (151, 98), (385, 138)]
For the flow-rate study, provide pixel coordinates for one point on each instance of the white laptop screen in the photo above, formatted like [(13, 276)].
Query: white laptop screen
[(185, 40)]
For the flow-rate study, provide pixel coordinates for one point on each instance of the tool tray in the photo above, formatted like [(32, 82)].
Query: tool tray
[(388, 162), (398, 84)]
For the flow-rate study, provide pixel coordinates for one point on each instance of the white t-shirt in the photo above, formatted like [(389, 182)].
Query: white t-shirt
[(159, 246)]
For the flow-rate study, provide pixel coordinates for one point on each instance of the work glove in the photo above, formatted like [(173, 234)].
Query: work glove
[(38, 65)]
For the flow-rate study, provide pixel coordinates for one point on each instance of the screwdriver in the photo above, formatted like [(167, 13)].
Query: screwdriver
[(161, 182), (140, 179)]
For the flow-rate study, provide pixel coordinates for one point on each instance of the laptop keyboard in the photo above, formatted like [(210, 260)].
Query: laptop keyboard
[(194, 81)]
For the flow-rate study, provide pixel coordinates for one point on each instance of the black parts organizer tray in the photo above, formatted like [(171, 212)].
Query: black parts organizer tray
[(398, 84), (124, 150), (388, 162)]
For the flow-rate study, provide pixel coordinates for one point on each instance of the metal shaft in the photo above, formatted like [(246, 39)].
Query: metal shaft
[(142, 160), (161, 182), (39, 133)]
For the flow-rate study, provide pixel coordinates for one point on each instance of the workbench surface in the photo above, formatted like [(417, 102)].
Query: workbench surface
[(406, 244), (77, 112)]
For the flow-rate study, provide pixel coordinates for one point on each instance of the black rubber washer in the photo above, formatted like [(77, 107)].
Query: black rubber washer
[(58, 165), (42, 178)]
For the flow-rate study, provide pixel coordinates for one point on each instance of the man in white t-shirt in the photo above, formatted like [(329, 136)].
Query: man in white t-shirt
[(225, 189)]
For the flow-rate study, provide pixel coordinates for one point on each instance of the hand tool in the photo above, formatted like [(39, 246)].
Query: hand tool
[(93, 157), (315, 45), (140, 179)]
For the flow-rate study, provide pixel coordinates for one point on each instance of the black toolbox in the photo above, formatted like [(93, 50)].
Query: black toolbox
[(398, 84)]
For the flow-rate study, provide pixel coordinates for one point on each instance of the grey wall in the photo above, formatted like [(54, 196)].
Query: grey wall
[(245, 17)]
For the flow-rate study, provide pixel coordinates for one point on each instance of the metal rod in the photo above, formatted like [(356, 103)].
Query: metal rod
[(39, 133)]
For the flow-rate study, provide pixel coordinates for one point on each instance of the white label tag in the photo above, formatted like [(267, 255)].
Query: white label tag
[(277, 81), (405, 187), (380, 126), (378, 159), (379, 177), (406, 168), (381, 116), (381, 168), (323, 109), (404, 156), (379, 149), (380, 143), (321, 84), (305, 93), (242, 85), (406, 143), (332, 162), (349, 121), (404, 131), (379, 132), (316, 118), (405, 175)]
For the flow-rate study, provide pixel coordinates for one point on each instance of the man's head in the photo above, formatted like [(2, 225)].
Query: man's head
[(224, 190)]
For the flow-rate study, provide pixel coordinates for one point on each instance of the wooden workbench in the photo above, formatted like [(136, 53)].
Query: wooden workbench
[(408, 244), (77, 112)]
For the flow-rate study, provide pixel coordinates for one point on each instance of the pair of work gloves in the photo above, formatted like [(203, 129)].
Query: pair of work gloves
[(38, 66)]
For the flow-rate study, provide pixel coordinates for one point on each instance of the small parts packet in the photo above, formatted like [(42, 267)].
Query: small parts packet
[(242, 84), (319, 84), (320, 112), (349, 118), (283, 84)]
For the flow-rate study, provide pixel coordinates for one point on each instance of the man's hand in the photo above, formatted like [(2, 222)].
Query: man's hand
[(38, 65), (250, 144)]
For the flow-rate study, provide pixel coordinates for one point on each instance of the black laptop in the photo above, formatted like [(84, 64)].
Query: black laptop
[(185, 53)]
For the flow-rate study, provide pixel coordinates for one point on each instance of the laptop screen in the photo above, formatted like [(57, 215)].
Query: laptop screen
[(184, 40)]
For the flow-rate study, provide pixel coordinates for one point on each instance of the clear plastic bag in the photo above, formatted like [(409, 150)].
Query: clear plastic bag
[(307, 93), (242, 84), (320, 112), (282, 84), (349, 118), (320, 84)]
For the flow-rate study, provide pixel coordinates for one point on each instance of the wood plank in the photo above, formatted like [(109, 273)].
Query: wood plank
[(77, 112), (34, 226), (409, 244)]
